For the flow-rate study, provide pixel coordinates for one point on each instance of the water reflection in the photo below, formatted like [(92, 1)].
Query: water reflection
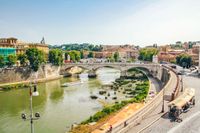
[(59, 106)]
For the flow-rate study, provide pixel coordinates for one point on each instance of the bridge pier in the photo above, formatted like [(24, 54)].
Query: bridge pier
[(92, 74), (123, 74)]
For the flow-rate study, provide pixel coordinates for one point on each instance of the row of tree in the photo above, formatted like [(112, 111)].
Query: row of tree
[(35, 58), (78, 47)]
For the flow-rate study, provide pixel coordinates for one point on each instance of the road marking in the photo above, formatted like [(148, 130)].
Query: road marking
[(173, 130)]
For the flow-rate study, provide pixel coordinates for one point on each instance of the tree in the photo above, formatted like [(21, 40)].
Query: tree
[(90, 55), (74, 55), (116, 56), (146, 54), (23, 59), (2, 63), (56, 57), (184, 60), (81, 54), (83, 46), (36, 58), (12, 59), (111, 59), (77, 55)]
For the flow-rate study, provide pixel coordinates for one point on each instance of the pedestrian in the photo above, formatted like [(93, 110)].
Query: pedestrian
[(110, 128), (125, 124)]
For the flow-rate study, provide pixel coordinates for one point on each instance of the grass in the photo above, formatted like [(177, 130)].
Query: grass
[(15, 86)]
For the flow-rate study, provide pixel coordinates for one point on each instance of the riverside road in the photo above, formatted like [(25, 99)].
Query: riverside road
[(191, 119)]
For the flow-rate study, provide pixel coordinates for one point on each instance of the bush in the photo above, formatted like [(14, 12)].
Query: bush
[(16, 86)]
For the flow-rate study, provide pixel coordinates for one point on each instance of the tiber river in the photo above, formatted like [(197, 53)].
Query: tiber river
[(59, 107)]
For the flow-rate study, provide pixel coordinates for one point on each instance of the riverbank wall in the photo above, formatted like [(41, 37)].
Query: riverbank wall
[(20, 75)]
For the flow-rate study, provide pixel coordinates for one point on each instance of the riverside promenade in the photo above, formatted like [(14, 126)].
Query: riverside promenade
[(129, 110)]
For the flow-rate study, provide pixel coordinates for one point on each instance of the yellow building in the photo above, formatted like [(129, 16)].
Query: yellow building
[(42, 47)]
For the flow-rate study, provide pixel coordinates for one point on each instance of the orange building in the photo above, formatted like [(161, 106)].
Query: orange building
[(169, 56)]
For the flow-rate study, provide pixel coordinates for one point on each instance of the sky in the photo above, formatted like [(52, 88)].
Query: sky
[(138, 22)]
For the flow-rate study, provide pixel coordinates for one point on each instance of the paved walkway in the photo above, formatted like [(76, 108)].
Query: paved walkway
[(28, 81), (156, 114), (129, 110)]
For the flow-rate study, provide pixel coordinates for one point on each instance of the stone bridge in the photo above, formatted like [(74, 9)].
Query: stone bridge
[(155, 69)]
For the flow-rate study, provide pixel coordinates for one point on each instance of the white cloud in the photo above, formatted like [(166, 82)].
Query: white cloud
[(159, 22)]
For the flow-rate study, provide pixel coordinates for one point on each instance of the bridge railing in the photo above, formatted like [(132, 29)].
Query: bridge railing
[(110, 63)]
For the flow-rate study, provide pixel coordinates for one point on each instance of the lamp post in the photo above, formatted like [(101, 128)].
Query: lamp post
[(163, 100), (181, 83), (163, 104), (182, 79), (37, 115)]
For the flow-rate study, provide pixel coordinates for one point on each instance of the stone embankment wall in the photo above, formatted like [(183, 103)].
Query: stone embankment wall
[(19, 74)]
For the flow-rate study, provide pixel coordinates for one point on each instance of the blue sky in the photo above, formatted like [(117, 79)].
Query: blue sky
[(139, 22)]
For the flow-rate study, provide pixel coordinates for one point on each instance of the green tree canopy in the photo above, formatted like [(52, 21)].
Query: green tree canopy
[(56, 57), (1, 61), (81, 54), (74, 55), (36, 58), (91, 54), (12, 59), (23, 59), (146, 54), (83, 46), (116, 56), (184, 60)]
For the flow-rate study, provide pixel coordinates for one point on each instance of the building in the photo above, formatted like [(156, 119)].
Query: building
[(98, 55), (155, 59), (42, 47), (194, 53), (22, 46), (12, 43), (125, 51), (107, 54), (170, 55)]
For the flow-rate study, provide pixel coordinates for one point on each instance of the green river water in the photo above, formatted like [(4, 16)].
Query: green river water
[(59, 107)]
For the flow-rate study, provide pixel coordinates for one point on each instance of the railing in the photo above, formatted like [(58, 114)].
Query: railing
[(102, 63)]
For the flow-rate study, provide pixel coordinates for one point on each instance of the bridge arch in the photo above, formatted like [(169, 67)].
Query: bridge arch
[(107, 66), (80, 66)]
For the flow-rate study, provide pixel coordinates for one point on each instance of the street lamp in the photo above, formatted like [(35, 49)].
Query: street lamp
[(163, 100), (181, 83), (37, 115)]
